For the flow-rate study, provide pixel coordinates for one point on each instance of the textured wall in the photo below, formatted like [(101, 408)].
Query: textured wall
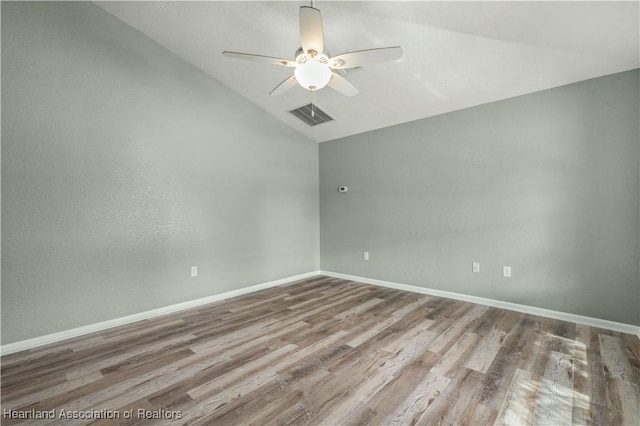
[(122, 166), (546, 183)]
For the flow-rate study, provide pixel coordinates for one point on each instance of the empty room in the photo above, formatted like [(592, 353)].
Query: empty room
[(320, 213)]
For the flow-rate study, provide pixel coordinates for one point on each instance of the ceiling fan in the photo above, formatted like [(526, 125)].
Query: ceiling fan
[(314, 69)]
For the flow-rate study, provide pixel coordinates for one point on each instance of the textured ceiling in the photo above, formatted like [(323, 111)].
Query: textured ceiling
[(456, 54)]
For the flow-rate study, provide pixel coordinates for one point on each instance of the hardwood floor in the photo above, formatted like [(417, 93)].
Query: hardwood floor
[(329, 351)]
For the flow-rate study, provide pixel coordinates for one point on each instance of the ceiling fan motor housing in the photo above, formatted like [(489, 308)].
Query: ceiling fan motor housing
[(312, 71)]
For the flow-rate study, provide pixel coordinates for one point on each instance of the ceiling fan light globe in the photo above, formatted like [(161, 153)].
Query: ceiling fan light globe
[(312, 74)]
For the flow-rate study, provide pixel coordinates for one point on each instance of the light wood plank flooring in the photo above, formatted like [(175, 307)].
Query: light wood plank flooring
[(329, 351)]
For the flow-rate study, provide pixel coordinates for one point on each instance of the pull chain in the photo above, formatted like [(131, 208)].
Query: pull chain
[(313, 103)]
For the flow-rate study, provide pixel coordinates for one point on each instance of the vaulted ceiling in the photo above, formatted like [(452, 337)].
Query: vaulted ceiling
[(456, 54)]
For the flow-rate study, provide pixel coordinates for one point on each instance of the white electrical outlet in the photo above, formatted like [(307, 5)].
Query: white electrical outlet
[(476, 267), (506, 271), (366, 255), (194, 271)]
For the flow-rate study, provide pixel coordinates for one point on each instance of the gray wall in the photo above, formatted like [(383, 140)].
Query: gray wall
[(122, 166), (546, 183)]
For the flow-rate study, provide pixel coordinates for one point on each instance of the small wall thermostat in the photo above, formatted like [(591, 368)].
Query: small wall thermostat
[(343, 189)]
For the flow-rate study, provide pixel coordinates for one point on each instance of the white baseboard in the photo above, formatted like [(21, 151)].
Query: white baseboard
[(564, 316), (91, 328)]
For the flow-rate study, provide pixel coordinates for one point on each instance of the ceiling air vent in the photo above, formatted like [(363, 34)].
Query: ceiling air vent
[(318, 116)]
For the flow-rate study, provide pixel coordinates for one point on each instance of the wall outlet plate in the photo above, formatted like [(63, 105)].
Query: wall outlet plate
[(506, 271), (194, 271), (475, 267)]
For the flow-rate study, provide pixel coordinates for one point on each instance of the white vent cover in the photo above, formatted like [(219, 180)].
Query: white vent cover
[(311, 119)]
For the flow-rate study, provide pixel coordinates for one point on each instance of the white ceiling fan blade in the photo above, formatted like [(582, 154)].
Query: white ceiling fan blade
[(361, 58), (284, 86), (311, 34), (341, 84), (260, 58)]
